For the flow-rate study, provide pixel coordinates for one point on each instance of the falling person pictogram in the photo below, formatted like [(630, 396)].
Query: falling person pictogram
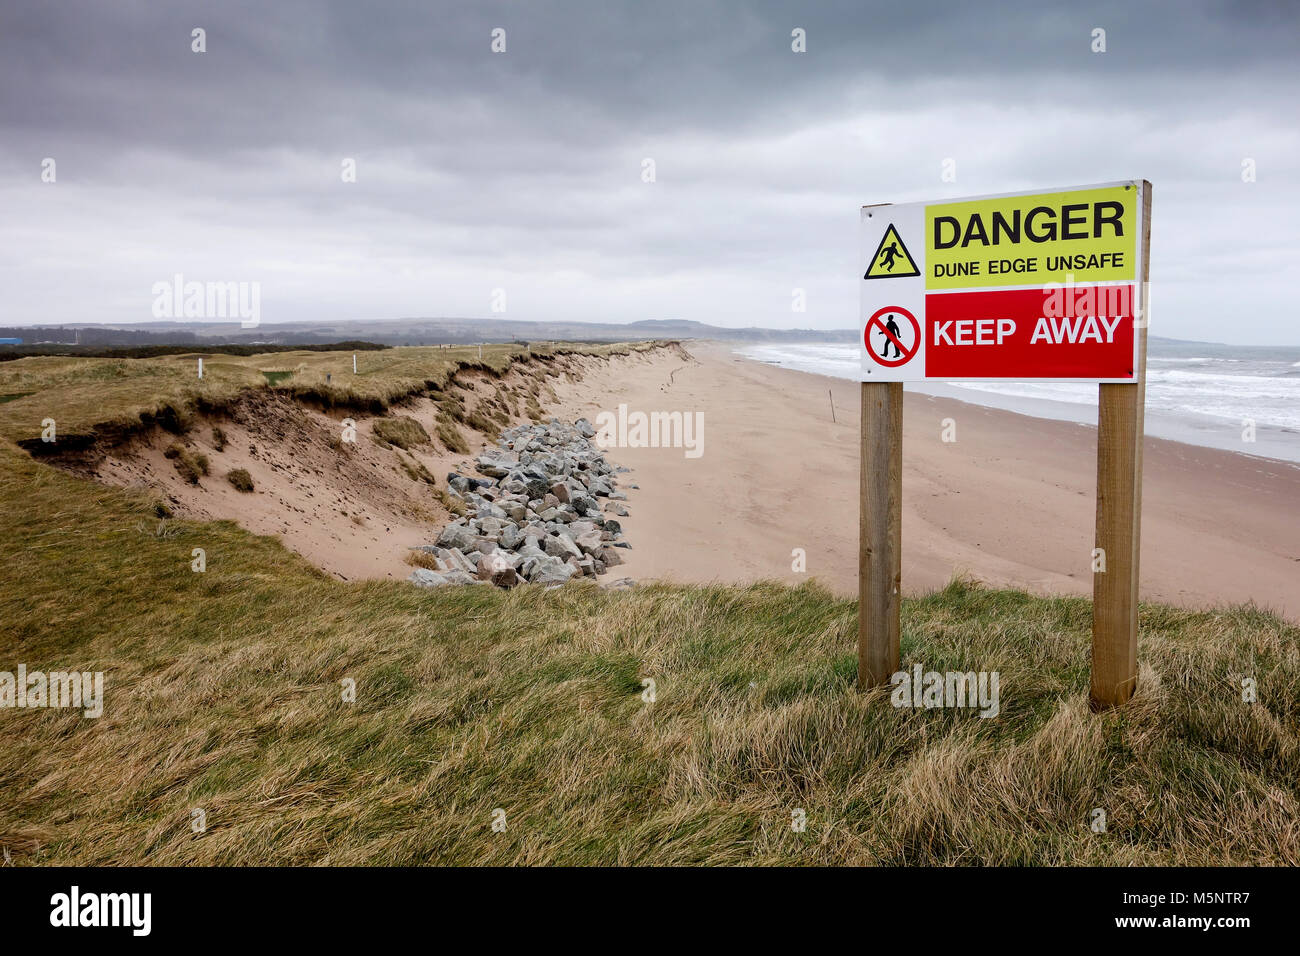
[(889, 254)]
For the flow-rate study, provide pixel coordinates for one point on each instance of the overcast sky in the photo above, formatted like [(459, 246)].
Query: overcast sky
[(523, 170)]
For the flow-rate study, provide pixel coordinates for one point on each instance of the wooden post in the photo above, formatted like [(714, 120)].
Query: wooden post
[(1120, 411), (880, 532)]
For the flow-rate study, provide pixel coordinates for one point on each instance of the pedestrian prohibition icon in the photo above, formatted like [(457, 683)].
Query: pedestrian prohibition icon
[(884, 335)]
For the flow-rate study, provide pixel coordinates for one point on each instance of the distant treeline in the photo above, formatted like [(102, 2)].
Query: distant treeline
[(10, 352)]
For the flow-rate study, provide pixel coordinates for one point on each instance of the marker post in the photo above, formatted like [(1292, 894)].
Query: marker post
[(880, 532), (1120, 427)]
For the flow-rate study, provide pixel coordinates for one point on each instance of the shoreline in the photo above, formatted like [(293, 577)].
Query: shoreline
[(1011, 502), (1275, 442), (1159, 424)]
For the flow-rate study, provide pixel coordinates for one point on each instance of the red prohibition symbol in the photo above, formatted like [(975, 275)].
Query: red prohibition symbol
[(874, 324)]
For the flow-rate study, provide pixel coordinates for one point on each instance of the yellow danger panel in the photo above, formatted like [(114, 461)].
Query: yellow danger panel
[(1089, 234), (892, 260)]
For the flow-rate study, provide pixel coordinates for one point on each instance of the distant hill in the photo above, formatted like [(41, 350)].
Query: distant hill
[(406, 331)]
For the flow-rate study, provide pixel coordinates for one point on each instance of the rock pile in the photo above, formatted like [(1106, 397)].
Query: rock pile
[(535, 515)]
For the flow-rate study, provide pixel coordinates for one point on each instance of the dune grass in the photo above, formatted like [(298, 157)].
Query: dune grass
[(241, 480), (451, 436), (224, 693), (400, 431), (189, 465)]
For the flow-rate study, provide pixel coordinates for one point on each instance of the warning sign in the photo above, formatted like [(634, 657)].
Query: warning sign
[(1035, 286), (892, 260)]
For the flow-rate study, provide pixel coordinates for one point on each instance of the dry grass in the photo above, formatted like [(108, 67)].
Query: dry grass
[(421, 559), (189, 465), (479, 421), (455, 505), (223, 692), (401, 431), (451, 437), (416, 470), (241, 480)]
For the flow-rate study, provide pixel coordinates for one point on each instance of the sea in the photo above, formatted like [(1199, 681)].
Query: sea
[(1199, 393)]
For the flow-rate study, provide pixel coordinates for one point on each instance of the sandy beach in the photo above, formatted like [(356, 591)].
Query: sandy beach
[(1010, 502)]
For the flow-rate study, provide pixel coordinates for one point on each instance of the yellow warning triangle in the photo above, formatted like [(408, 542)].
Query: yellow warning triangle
[(892, 259)]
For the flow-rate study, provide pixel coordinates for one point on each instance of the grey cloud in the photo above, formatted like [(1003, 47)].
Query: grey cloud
[(474, 167)]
